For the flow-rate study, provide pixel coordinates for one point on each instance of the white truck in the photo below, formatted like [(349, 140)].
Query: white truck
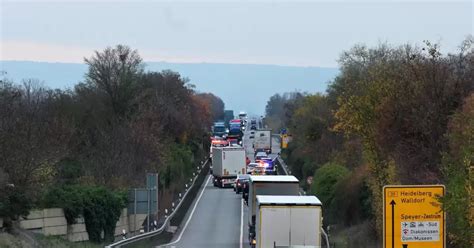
[(263, 141), (242, 115), (288, 221), (268, 185), (227, 163)]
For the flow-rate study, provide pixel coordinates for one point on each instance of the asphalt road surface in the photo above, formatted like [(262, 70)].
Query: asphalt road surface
[(218, 217), (213, 221)]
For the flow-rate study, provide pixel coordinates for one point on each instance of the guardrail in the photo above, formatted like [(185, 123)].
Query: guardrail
[(175, 216), (281, 166)]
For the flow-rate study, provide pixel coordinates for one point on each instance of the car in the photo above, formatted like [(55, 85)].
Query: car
[(233, 141), (253, 127), (251, 167), (255, 169), (219, 142), (252, 132), (264, 159), (251, 136), (266, 165), (260, 155), (239, 182)]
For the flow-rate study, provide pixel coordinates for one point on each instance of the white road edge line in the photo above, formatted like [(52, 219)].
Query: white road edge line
[(241, 222), (190, 215)]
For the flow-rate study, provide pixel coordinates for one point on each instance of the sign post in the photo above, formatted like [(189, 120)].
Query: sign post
[(413, 217)]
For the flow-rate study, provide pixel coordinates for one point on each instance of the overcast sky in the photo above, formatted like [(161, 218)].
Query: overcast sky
[(303, 33)]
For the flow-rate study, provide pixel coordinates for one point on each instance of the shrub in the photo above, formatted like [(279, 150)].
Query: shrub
[(325, 183), (99, 206), (13, 203)]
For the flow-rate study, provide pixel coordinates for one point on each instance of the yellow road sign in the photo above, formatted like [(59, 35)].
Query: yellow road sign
[(413, 217), (284, 141)]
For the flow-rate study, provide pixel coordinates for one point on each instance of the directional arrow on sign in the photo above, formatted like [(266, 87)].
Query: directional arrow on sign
[(393, 222)]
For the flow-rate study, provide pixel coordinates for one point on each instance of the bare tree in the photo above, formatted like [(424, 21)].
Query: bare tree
[(115, 72), (32, 133)]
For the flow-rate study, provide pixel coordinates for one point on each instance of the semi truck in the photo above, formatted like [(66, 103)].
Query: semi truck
[(242, 115), (263, 140), (219, 129), (268, 185), (288, 221), (217, 142), (227, 163), (235, 131), (228, 115)]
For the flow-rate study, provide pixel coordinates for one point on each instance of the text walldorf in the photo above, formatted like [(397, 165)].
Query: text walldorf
[(414, 197)]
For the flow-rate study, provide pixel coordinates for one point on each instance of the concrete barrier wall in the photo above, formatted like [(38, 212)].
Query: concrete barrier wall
[(51, 221), (77, 232)]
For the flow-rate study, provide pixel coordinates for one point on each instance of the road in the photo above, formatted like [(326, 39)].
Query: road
[(214, 221), (218, 217)]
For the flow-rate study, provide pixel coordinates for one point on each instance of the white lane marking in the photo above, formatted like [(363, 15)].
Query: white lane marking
[(242, 223), (190, 216)]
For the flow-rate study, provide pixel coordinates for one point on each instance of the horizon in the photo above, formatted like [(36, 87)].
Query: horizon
[(170, 62)]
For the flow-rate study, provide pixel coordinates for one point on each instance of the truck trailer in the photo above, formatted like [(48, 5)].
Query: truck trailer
[(227, 163), (269, 185), (228, 115), (263, 140), (288, 221)]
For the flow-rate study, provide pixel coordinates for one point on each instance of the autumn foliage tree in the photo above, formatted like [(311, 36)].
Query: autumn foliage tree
[(108, 132), (394, 115)]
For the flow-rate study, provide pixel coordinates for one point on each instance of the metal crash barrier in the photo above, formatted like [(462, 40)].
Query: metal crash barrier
[(175, 218)]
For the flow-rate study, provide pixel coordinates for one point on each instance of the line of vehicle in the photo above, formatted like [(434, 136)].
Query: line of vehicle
[(190, 215)]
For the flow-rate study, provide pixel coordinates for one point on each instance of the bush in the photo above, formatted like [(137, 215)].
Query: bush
[(13, 203), (352, 201), (325, 182), (179, 164), (100, 208)]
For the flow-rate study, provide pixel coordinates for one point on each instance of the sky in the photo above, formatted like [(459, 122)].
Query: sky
[(296, 33)]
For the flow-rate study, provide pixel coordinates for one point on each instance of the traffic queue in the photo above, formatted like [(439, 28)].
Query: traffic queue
[(278, 215)]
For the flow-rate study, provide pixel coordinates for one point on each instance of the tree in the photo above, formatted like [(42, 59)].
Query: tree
[(216, 105), (280, 108), (33, 134), (399, 102), (458, 170), (115, 72), (108, 131), (325, 182)]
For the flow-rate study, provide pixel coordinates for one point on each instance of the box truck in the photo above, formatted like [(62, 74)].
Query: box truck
[(263, 140), (227, 163), (288, 221), (269, 185)]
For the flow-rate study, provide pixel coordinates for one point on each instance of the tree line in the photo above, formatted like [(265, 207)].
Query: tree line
[(394, 115), (107, 132)]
